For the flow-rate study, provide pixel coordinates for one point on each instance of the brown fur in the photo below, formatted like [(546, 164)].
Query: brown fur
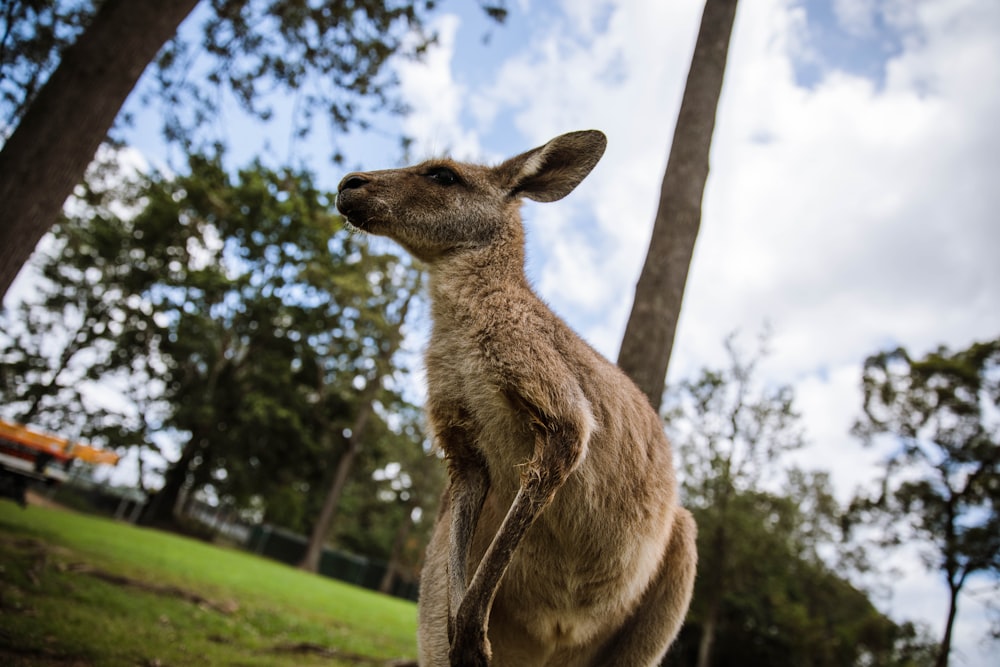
[(560, 540)]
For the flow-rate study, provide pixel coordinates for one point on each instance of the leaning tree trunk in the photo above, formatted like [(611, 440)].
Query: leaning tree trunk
[(945, 649), (161, 507), (398, 542), (649, 335), (713, 590), (321, 529), (46, 156)]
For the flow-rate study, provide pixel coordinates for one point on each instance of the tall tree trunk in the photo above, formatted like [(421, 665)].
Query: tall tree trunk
[(46, 156), (162, 505), (321, 529), (944, 650), (707, 636), (649, 335), (398, 542), (716, 563)]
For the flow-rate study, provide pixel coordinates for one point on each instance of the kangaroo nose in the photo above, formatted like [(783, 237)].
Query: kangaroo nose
[(351, 182)]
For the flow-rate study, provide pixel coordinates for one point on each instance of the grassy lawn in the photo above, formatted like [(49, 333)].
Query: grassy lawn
[(78, 590)]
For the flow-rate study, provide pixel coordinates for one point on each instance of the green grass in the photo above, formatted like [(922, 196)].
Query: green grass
[(79, 590)]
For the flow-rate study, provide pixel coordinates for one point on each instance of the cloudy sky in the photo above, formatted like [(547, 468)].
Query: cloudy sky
[(851, 204)]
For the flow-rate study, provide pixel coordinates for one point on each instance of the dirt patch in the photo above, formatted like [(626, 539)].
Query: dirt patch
[(40, 557), (12, 657), (41, 500), (308, 648), (224, 607)]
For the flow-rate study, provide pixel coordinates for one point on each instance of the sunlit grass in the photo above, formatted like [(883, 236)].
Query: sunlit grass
[(57, 604)]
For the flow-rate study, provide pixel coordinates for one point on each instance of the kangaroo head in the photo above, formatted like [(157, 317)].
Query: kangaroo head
[(441, 206)]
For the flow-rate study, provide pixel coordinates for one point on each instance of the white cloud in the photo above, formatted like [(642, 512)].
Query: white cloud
[(436, 99), (862, 216)]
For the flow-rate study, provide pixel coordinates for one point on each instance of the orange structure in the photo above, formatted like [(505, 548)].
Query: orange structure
[(27, 454)]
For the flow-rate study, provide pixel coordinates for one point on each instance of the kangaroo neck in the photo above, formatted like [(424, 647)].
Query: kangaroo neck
[(463, 280)]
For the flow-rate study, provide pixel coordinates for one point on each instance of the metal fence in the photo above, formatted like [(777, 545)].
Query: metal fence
[(289, 547)]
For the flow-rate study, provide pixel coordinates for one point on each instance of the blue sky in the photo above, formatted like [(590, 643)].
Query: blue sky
[(859, 38), (851, 204)]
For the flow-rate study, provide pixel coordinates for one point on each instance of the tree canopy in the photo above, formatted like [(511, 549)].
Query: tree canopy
[(329, 56), (72, 64), (941, 485), (241, 308), (782, 605), (768, 592)]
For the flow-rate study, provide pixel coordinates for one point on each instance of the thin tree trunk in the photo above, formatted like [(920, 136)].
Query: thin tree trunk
[(945, 649), (649, 335), (162, 505), (716, 560), (402, 532), (707, 637), (46, 156), (321, 529)]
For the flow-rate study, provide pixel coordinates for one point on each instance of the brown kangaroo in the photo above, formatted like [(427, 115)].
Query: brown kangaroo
[(560, 540)]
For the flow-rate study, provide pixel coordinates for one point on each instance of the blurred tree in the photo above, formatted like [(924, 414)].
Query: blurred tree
[(71, 64), (649, 334), (766, 593), (255, 312), (781, 605), (731, 434), (101, 49), (415, 491), (942, 482), (355, 435), (272, 335), (387, 509), (55, 347)]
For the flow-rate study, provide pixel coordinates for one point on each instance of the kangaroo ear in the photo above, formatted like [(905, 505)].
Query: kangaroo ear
[(550, 172)]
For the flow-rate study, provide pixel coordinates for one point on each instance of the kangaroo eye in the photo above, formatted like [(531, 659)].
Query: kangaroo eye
[(442, 176)]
